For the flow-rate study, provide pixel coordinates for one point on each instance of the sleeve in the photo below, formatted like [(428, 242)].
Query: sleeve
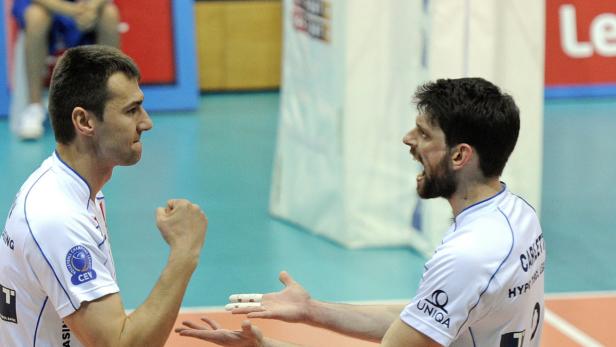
[(68, 263), (454, 281), (19, 10)]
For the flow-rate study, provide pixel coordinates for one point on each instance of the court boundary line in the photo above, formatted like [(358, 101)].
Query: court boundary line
[(570, 330), (581, 295)]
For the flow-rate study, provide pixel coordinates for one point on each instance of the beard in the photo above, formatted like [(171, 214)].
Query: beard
[(440, 184)]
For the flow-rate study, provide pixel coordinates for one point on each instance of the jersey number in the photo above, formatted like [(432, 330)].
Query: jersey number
[(534, 324), (516, 338)]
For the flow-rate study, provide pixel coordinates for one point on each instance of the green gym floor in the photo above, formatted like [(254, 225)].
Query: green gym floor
[(220, 157)]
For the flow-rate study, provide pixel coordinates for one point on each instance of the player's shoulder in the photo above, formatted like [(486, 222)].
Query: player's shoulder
[(46, 193), (490, 228), (48, 200), (484, 240)]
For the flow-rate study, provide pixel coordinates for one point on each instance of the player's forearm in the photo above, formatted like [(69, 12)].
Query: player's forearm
[(366, 322), (151, 323), (62, 7), (97, 3)]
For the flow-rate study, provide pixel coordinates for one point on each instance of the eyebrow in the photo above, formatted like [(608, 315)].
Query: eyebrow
[(423, 129), (134, 103)]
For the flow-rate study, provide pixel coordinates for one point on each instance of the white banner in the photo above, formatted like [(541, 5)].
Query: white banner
[(341, 170)]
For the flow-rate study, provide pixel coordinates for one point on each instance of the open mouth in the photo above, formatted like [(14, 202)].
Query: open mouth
[(422, 174)]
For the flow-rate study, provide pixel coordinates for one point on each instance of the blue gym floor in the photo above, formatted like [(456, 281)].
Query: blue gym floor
[(221, 158)]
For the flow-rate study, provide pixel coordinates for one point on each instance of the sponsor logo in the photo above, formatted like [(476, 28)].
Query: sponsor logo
[(8, 310), (525, 287), (79, 264), (66, 335), (601, 34), (8, 241), (434, 307), (580, 43), (313, 17), (532, 253), (439, 299)]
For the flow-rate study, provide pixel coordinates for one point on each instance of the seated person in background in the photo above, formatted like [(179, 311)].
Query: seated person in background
[(50, 25)]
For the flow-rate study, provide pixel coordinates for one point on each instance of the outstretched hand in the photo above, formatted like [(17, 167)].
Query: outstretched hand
[(292, 304), (249, 336)]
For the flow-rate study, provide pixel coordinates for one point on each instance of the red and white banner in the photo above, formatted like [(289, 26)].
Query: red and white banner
[(580, 43)]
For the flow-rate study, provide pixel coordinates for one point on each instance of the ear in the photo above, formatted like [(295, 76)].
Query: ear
[(461, 155), (83, 121)]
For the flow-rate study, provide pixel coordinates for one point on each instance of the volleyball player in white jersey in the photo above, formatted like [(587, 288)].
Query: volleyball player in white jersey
[(57, 276), (484, 284)]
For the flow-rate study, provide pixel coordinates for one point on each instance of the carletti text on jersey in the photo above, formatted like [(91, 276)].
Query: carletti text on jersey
[(527, 259)]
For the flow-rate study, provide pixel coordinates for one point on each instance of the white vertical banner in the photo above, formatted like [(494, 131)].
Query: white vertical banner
[(307, 171), (503, 42), (341, 170), (384, 50)]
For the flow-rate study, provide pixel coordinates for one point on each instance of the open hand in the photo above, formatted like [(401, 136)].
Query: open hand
[(292, 304), (249, 336)]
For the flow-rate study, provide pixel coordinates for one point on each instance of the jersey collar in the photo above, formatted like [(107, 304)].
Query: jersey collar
[(76, 183), (491, 201)]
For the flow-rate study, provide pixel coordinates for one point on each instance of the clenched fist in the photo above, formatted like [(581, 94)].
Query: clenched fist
[(183, 226)]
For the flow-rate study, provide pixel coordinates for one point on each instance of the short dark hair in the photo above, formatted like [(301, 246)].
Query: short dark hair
[(476, 112), (80, 80)]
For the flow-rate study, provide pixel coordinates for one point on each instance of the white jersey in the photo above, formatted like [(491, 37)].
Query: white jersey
[(484, 284), (54, 255)]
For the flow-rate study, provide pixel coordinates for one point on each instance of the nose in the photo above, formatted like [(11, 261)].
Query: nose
[(146, 123), (410, 139)]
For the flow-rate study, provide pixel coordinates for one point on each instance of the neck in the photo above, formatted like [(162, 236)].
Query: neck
[(84, 162), (473, 192)]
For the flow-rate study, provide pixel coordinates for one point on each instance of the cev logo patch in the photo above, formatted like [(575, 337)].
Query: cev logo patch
[(79, 264)]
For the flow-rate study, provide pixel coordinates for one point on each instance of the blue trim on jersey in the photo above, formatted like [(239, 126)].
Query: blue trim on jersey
[(36, 242), (526, 202), (503, 188), (495, 272), (472, 336), (38, 320), (76, 173), (100, 244)]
